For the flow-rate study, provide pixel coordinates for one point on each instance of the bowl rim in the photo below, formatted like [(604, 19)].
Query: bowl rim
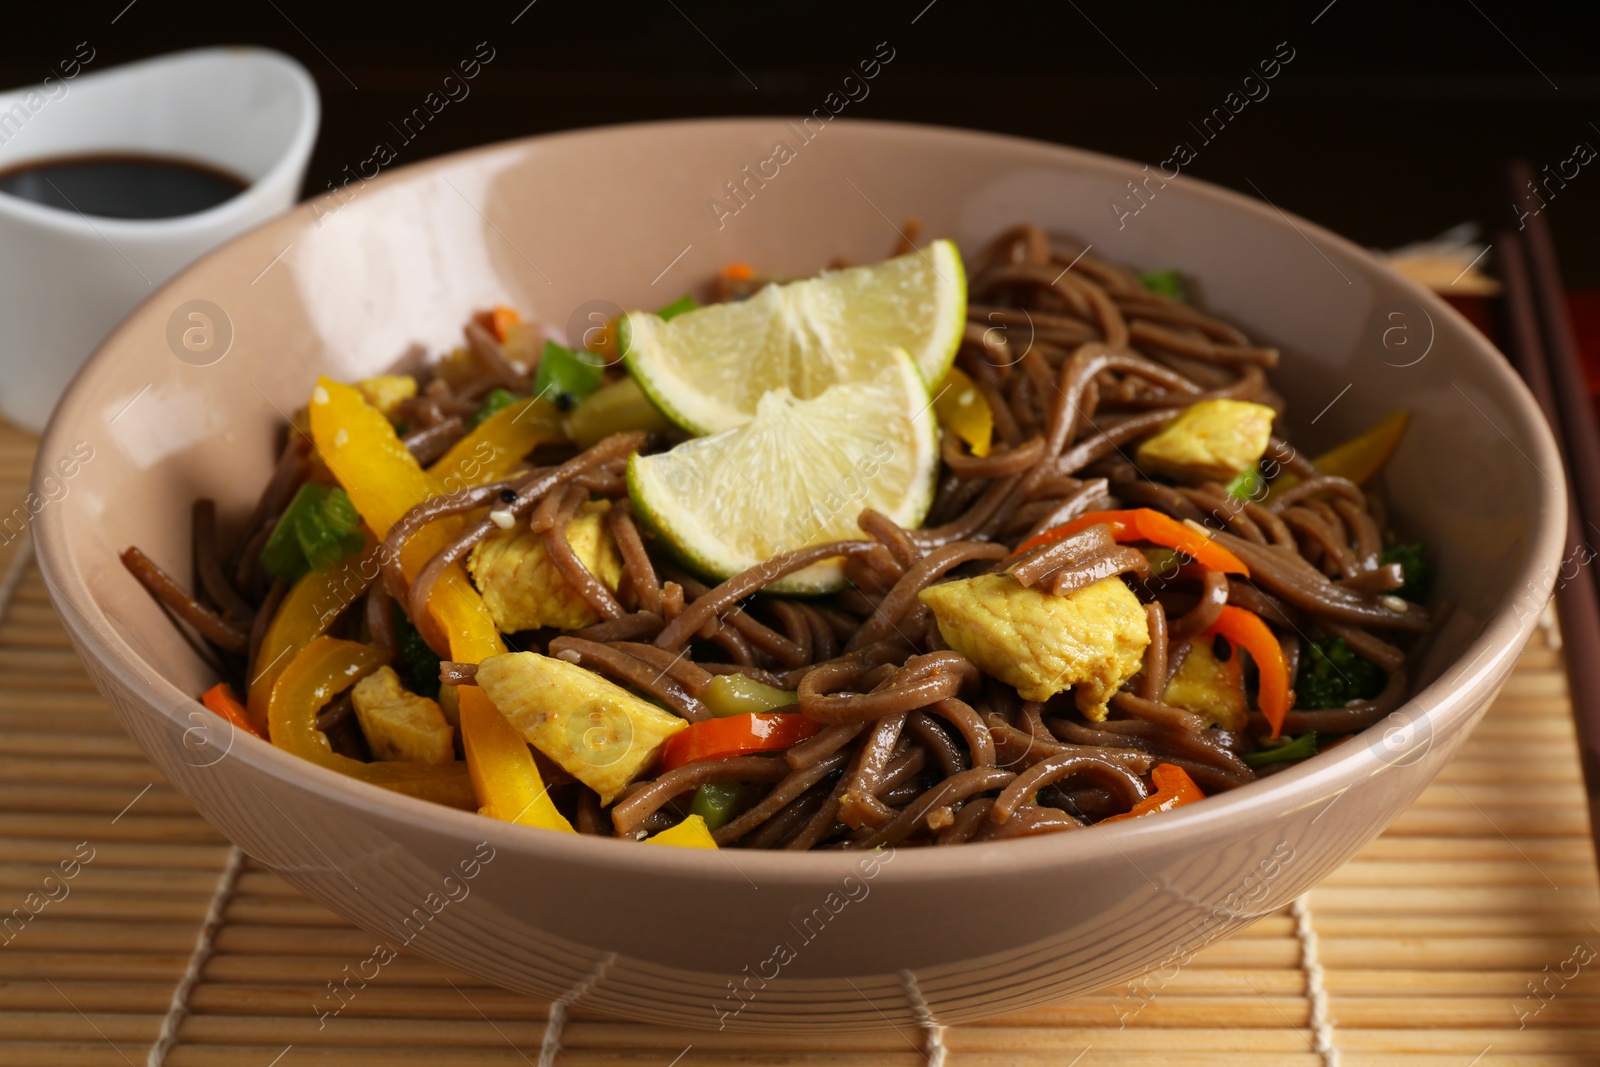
[(1453, 694)]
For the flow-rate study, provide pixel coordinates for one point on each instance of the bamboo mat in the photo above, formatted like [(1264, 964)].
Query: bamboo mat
[(1424, 951)]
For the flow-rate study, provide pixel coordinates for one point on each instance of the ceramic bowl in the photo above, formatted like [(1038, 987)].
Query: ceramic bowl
[(569, 225)]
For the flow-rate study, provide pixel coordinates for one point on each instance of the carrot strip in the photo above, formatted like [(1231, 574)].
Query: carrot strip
[(1174, 788), (1246, 630), (220, 699)]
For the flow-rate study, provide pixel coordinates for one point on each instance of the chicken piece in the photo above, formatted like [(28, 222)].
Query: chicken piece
[(386, 391), (1214, 440), (520, 584), (1209, 686), (1092, 640), (594, 729), (401, 725)]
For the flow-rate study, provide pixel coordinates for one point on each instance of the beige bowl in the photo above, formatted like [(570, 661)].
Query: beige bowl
[(560, 225)]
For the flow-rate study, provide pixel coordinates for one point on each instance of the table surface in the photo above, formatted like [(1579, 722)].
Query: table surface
[(1467, 934)]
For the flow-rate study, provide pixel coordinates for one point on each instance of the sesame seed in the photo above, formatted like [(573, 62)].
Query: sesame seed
[(502, 518), (1393, 603)]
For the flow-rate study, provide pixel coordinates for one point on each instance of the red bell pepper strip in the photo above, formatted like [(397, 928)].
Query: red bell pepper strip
[(1246, 630), (220, 699), (1174, 788), (735, 735), (1146, 524)]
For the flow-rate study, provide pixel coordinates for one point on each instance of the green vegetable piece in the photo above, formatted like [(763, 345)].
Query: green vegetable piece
[(686, 302), (414, 661), (718, 802), (1302, 747), (497, 401), (615, 408), (735, 694), (319, 528), (565, 373), (1246, 485), (1164, 562), (1166, 282), (1332, 675), (1414, 564)]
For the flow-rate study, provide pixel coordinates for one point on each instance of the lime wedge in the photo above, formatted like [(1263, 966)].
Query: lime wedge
[(708, 369), (799, 473)]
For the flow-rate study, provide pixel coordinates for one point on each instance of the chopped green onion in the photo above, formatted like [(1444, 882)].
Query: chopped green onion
[(736, 694), (414, 661), (615, 408), (497, 401), (1246, 485), (319, 528), (1166, 282), (1164, 562), (565, 373), (686, 302), (1414, 565), (1302, 747), (718, 802)]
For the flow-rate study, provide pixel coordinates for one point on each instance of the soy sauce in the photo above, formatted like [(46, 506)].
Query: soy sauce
[(122, 186)]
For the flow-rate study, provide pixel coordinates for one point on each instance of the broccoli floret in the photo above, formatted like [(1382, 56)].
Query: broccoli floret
[(1332, 675), (414, 661), (1414, 564)]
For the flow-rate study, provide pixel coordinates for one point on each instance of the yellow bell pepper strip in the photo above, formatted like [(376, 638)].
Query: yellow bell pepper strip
[(323, 668), (1174, 788), (305, 614), (504, 776), (498, 444), (220, 699), (1147, 524), (1246, 630), (690, 833), (1359, 458), (375, 467), (963, 410), (384, 481)]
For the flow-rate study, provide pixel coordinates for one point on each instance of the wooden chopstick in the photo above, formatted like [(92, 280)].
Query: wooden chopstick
[(1546, 355)]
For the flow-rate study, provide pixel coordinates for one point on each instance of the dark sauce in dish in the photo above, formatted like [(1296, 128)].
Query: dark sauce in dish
[(122, 186)]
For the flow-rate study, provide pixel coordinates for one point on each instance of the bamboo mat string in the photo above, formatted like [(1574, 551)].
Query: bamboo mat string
[(1316, 990), (1548, 625), (178, 1010), (14, 573), (933, 1040), (556, 1021)]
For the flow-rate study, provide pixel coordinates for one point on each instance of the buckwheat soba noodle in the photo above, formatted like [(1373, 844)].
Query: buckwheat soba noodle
[(1129, 590)]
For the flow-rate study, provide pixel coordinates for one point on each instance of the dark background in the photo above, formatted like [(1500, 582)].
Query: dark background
[(1392, 122)]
